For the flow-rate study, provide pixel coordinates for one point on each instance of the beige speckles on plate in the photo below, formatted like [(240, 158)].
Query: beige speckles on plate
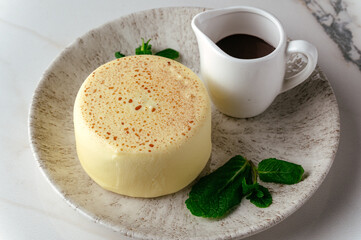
[(301, 126)]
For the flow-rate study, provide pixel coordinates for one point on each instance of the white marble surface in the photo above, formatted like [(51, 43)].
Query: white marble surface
[(33, 33)]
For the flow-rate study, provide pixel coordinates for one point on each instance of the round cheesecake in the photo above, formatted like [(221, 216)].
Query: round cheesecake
[(143, 126)]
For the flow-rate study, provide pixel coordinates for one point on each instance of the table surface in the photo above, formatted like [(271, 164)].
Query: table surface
[(32, 35)]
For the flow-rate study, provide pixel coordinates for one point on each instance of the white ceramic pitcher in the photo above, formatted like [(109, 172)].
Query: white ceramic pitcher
[(247, 87)]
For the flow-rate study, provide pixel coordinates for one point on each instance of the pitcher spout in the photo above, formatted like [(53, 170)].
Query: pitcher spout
[(205, 28)]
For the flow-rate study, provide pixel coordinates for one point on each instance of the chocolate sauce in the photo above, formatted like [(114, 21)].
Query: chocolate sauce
[(245, 46)]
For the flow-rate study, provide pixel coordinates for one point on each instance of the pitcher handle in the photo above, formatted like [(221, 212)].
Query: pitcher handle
[(310, 51)]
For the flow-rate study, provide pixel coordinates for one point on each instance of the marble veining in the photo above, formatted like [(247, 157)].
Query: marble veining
[(335, 19), (34, 33), (293, 128)]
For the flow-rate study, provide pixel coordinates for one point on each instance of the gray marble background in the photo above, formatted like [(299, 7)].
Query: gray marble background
[(336, 19)]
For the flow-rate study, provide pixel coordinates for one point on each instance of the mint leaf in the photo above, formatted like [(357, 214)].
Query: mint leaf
[(257, 194), (213, 204), (248, 188), (168, 53), (145, 48), (260, 196), (119, 55), (279, 171), (216, 194)]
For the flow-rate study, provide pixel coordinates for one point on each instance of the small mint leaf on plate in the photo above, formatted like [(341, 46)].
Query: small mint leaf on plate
[(119, 55), (279, 171), (248, 188), (168, 53), (260, 197)]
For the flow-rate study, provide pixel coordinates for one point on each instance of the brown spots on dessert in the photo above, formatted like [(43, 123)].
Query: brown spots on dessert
[(146, 101)]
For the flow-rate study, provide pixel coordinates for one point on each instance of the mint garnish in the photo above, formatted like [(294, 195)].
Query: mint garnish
[(260, 197), (279, 171), (168, 53), (119, 55), (216, 194), (146, 49)]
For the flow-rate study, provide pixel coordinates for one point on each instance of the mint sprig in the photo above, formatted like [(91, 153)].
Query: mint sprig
[(216, 194), (146, 49)]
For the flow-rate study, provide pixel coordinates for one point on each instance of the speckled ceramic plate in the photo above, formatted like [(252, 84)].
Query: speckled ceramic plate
[(301, 126)]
